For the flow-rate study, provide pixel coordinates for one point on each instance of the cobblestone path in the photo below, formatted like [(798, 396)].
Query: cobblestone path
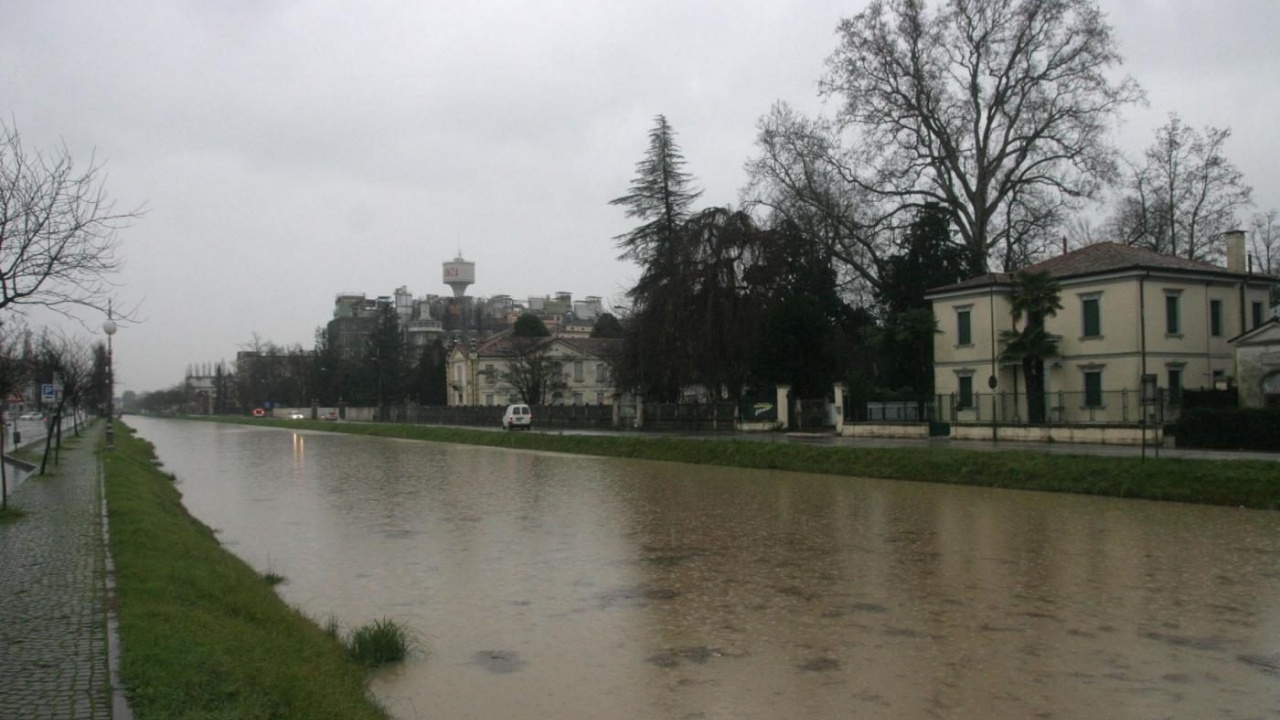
[(53, 626)]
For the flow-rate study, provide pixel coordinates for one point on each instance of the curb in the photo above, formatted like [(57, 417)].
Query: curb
[(120, 709)]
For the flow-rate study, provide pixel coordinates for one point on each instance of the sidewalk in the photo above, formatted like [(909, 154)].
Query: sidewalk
[(53, 609)]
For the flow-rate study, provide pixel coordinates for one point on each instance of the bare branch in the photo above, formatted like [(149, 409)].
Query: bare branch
[(58, 229)]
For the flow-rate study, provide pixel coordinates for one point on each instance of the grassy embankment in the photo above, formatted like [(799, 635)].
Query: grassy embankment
[(204, 635), (1244, 483)]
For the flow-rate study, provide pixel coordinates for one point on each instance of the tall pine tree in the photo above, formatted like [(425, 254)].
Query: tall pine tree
[(659, 196), (656, 357)]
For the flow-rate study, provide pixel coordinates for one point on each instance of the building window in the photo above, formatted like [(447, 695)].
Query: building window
[(599, 398), (964, 327), (602, 374), (1093, 388), (488, 399), (577, 371), (1215, 318), (489, 378), (1089, 307), (1219, 379), (1257, 313), (1172, 323), (577, 399), (966, 392), (1175, 385)]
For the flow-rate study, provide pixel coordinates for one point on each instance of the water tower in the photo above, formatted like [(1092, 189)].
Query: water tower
[(458, 274)]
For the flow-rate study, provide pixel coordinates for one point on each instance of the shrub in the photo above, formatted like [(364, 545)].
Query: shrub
[(1229, 428), (379, 643)]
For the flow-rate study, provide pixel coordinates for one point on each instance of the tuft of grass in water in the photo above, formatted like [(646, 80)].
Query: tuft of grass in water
[(378, 643), (331, 627), (273, 579)]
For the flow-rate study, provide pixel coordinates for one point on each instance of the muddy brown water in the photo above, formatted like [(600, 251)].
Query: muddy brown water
[(541, 585)]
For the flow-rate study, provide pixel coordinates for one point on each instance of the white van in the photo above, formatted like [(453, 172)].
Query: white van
[(517, 416)]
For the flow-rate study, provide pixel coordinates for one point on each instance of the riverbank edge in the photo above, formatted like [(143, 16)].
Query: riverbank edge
[(203, 635), (1251, 484)]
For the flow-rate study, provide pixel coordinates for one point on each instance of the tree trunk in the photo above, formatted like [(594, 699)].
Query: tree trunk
[(1033, 369)]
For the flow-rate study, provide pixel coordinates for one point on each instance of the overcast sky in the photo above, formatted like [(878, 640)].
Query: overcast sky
[(289, 151)]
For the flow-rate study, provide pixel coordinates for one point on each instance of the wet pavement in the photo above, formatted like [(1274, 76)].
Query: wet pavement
[(54, 643)]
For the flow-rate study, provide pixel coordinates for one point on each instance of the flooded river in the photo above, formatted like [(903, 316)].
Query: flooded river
[(541, 585)]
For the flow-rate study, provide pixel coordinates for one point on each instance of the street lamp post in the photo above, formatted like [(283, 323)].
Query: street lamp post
[(109, 327)]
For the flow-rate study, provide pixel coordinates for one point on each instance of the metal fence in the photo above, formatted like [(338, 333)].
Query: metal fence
[(918, 409), (1108, 407), (697, 417), (701, 417), (546, 416)]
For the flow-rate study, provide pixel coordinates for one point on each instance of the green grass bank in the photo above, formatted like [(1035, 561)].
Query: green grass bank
[(1241, 483), (204, 636)]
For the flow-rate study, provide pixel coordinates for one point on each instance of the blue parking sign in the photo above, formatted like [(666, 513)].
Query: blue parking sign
[(48, 394)]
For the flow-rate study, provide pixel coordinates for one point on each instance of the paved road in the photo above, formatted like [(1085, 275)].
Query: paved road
[(53, 614)]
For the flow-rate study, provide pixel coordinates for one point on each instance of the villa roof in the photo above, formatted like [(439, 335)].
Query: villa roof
[(1096, 259), (503, 345)]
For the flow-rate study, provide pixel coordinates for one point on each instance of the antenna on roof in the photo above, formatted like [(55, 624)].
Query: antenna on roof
[(1064, 244)]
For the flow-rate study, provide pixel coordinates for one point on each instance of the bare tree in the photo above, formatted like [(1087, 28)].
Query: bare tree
[(57, 228), (996, 110), (14, 371), (531, 370), (799, 176), (1264, 242), (66, 362), (1184, 195)]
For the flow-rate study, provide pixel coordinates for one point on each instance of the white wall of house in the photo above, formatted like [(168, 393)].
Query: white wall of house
[(1185, 319), (474, 378)]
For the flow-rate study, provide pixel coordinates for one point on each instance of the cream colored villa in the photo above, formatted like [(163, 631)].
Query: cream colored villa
[(475, 372), (1126, 312)]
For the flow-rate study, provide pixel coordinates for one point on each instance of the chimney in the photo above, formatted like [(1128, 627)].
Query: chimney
[(1235, 250)]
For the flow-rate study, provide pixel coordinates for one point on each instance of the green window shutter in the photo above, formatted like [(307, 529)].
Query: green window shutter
[(1093, 389), (1092, 317), (964, 331), (966, 391)]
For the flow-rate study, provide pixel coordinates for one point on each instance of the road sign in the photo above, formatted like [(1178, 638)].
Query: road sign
[(48, 394)]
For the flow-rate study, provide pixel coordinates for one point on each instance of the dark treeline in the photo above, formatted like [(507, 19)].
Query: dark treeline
[(265, 374)]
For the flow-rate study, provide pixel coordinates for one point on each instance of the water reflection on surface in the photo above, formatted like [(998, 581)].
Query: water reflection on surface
[(544, 585)]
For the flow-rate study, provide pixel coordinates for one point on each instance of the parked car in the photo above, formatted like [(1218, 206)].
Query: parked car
[(331, 416), (31, 416), (296, 416), (259, 412), (517, 416)]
